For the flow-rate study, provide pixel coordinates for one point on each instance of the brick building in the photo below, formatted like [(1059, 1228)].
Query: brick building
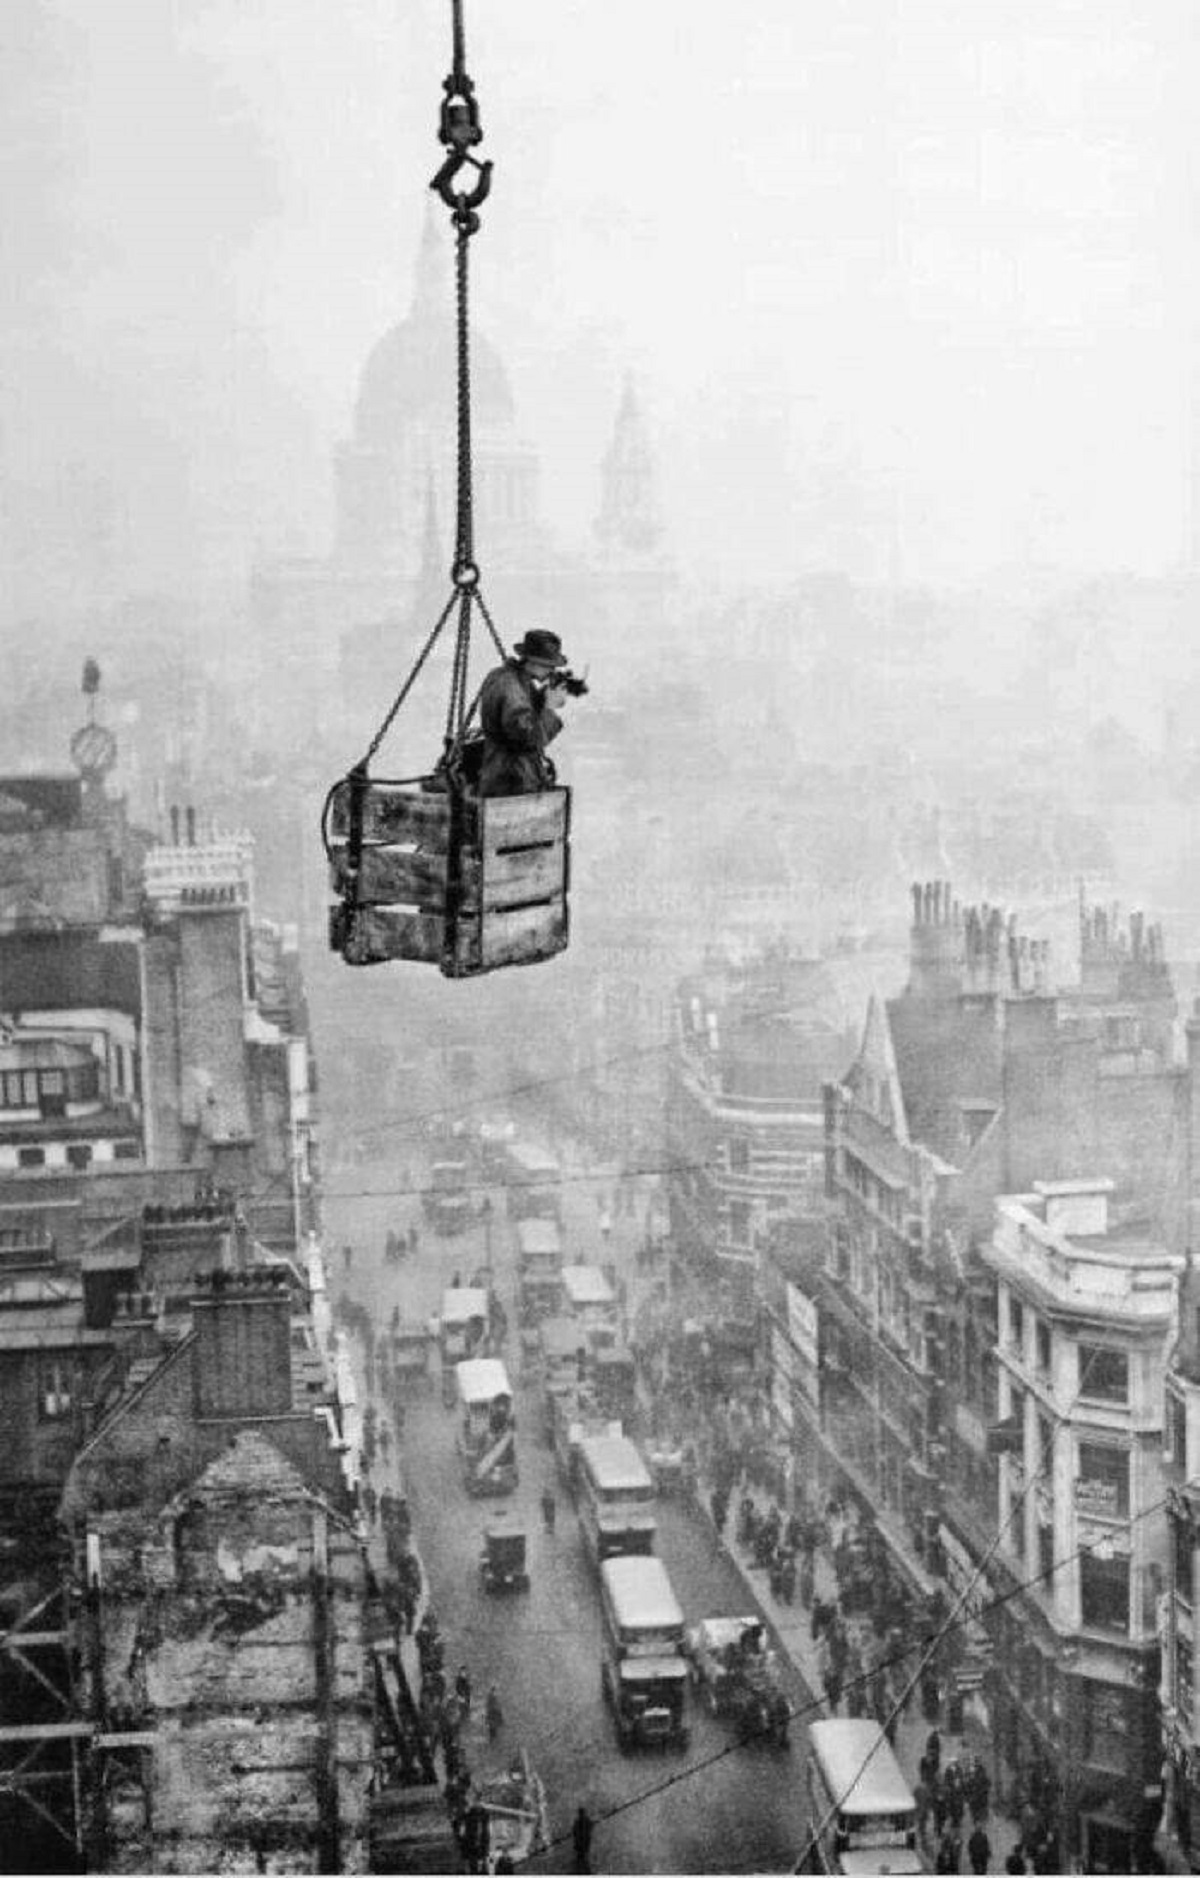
[(981, 1079)]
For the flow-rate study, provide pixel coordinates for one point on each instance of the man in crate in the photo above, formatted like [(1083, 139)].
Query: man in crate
[(519, 706)]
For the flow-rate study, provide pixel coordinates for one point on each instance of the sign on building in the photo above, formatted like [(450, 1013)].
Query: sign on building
[(805, 1340)]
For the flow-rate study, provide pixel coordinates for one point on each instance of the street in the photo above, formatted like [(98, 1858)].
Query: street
[(717, 1807)]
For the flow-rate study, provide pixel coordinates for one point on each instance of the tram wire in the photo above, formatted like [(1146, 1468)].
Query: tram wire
[(802, 1711), (962, 1603)]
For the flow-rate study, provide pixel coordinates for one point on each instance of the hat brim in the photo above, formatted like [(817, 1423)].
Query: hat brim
[(547, 658)]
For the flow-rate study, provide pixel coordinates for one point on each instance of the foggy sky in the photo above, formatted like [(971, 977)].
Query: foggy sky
[(909, 286)]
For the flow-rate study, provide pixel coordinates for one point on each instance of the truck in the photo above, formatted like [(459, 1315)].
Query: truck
[(643, 1671), (738, 1676), (487, 1435)]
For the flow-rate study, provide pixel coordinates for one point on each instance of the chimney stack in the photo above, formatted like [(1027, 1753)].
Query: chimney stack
[(242, 1356)]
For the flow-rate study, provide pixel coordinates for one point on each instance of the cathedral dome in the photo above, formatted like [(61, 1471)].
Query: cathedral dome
[(409, 377)]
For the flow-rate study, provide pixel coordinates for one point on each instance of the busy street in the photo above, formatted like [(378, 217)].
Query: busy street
[(718, 1806)]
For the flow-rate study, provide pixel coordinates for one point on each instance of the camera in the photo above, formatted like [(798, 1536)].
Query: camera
[(573, 686)]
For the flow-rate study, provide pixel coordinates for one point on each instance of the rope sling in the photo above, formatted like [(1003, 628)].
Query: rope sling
[(356, 803)]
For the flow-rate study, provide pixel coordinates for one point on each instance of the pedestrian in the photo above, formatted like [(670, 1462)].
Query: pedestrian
[(831, 1682), (933, 1749), (581, 1838), (979, 1790), (979, 1851), (462, 1689), (955, 1801), (922, 1797), (549, 1509), (494, 1713), (949, 1853), (477, 1835)]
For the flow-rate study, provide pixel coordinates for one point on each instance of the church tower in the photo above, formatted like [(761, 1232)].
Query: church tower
[(629, 525)]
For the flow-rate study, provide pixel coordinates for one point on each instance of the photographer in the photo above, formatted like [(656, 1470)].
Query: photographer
[(518, 712)]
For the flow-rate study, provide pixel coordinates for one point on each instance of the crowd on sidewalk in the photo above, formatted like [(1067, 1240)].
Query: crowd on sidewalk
[(868, 1642)]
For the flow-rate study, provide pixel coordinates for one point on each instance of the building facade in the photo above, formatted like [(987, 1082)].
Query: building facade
[(1087, 1313)]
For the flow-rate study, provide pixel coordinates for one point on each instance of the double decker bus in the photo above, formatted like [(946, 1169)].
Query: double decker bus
[(539, 1267), (643, 1672), (863, 1817), (487, 1436), (616, 1498)]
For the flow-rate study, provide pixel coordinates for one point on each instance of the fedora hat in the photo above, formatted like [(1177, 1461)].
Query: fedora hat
[(541, 645)]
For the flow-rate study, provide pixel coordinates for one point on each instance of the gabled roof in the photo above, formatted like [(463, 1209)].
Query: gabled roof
[(874, 1076)]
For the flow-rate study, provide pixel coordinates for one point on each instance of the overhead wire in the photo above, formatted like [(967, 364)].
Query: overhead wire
[(1062, 1418), (800, 1711)]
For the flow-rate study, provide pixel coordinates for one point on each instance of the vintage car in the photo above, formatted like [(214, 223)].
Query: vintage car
[(502, 1566)]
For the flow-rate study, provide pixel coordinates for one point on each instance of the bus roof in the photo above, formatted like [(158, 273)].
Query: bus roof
[(860, 1769), (527, 1160), (481, 1379), (462, 1302), (615, 1464), (535, 1236), (586, 1284), (640, 1594)]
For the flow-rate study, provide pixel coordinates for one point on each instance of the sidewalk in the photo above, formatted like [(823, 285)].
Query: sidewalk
[(791, 1626)]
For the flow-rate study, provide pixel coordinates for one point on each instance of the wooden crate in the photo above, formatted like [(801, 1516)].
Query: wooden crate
[(512, 885)]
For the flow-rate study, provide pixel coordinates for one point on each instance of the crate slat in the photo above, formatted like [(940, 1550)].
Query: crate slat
[(521, 937), (393, 812), (525, 875), (392, 932), (399, 876), (523, 821)]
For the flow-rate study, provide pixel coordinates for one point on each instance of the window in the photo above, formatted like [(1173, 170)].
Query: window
[(1185, 1684), (1045, 1541), (739, 1155), (1043, 1345), (1045, 1439), (126, 1151), (79, 1155), (1175, 1438), (54, 1389), (1106, 1730), (1104, 1592), (1103, 1374), (1016, 1323), (31, 1157), (1102, 1482), (739, 1222), (1182, 1556)]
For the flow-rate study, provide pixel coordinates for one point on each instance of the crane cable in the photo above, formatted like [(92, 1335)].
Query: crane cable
[(459, 131)]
